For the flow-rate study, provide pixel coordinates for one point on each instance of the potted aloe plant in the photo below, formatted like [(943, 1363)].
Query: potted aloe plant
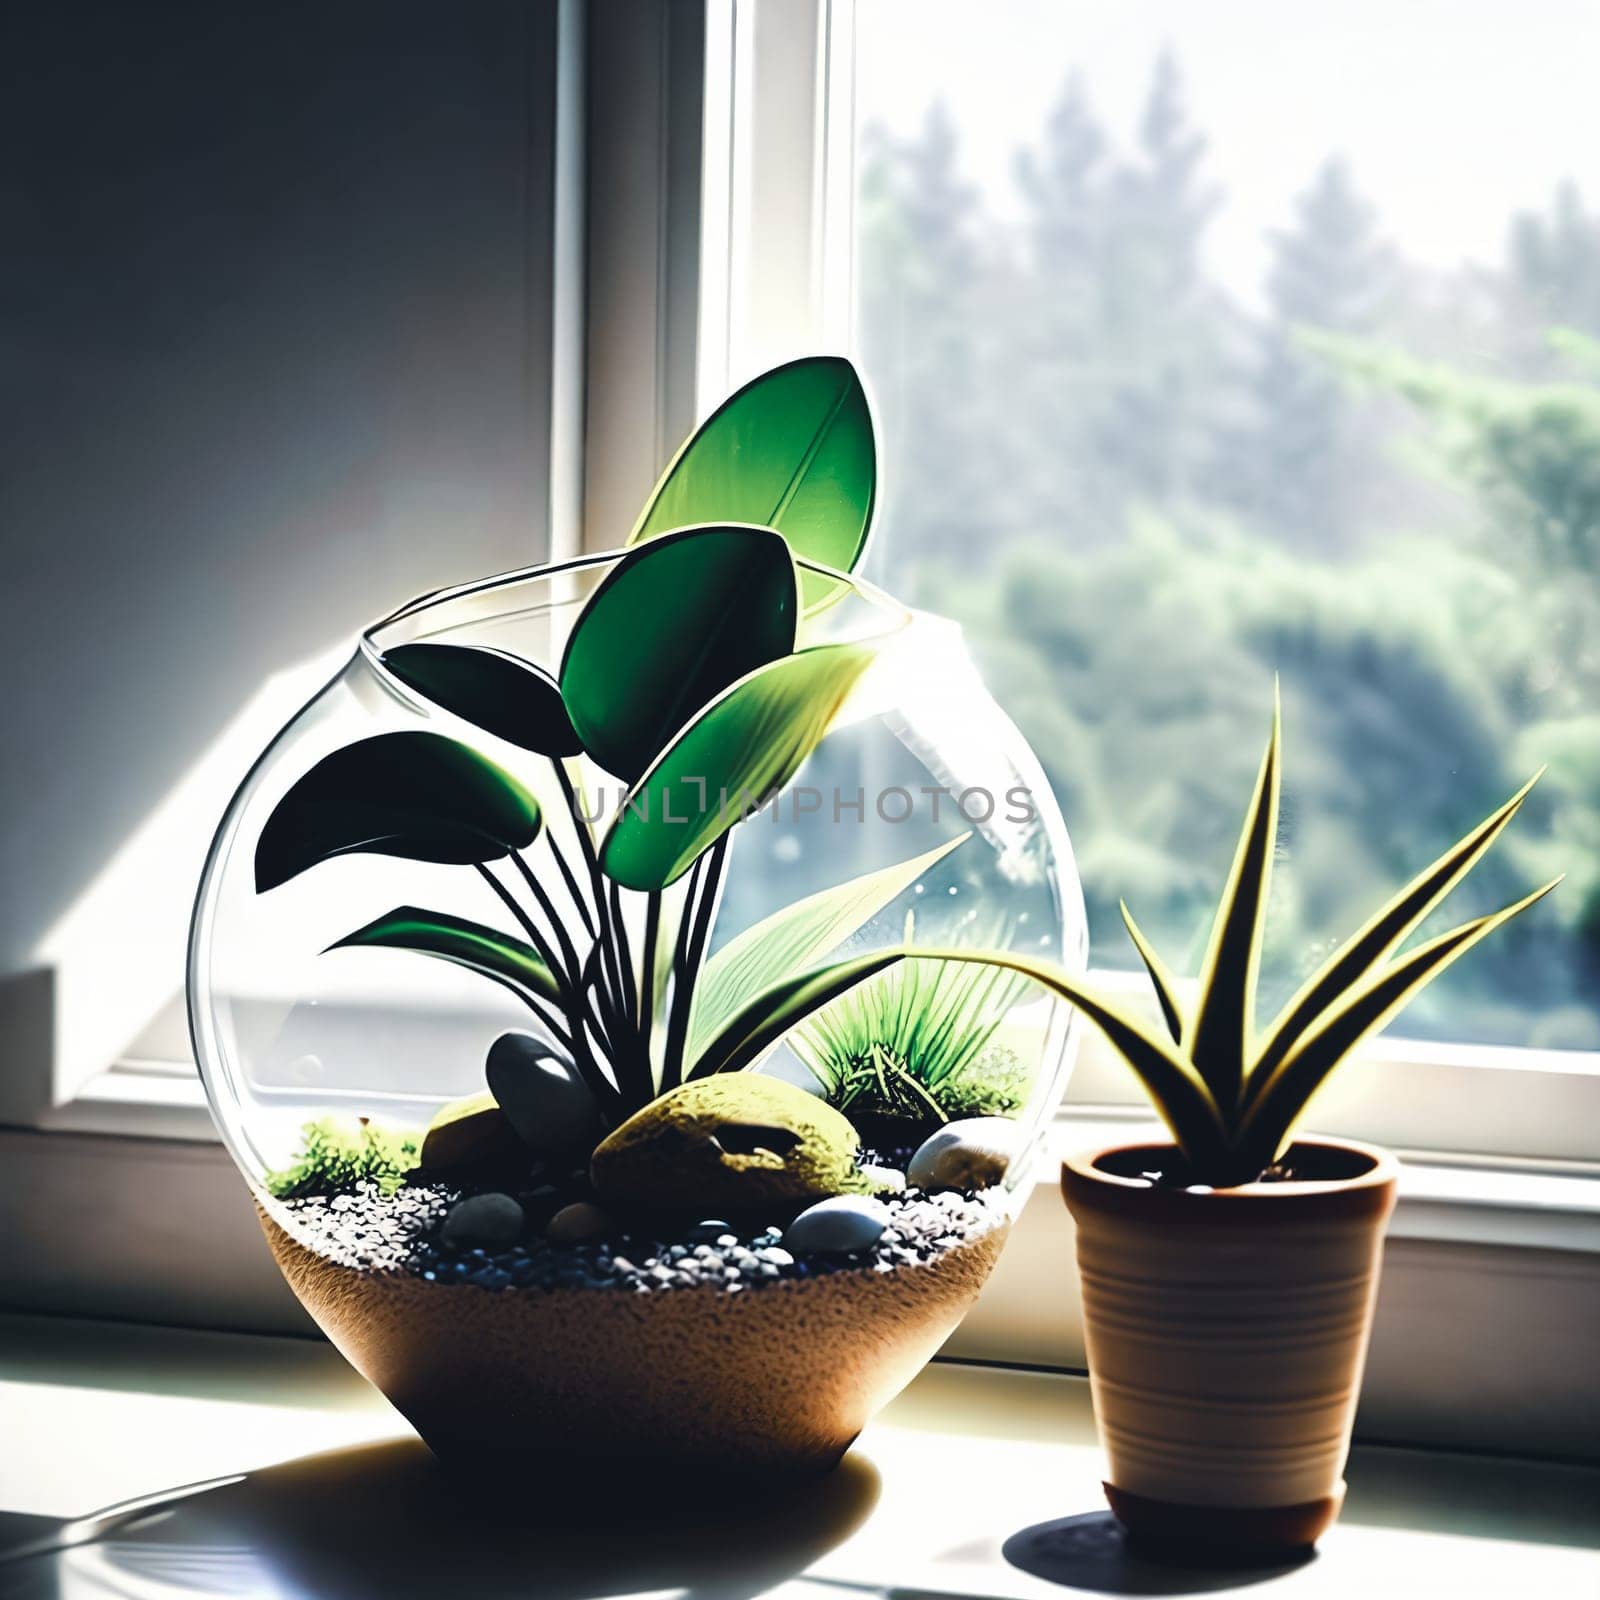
[(1229, 1273)]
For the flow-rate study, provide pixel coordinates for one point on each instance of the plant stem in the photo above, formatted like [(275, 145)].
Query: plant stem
[(572, 885), (600, 1018), (540, 944), (591, 861), (541, 894), (699, 907), (630, 997), (678, 1009), (710, 898), (647, 973)]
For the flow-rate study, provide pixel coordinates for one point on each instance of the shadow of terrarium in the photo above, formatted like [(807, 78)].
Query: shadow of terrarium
[(380, 1521), (1090, 1551)]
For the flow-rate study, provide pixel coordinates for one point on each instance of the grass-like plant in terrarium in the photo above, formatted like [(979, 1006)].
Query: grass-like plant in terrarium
[(915, 1047)]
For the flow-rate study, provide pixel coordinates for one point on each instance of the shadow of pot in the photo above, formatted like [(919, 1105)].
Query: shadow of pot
[(776, 1380), (1226, 1332)]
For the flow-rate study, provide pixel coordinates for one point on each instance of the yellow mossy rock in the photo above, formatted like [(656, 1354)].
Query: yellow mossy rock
[(734, 1142), (468, 1134)]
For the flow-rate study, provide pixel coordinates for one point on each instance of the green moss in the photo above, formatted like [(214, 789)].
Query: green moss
[(994, 1085), (739, 1141), (338, 1153)]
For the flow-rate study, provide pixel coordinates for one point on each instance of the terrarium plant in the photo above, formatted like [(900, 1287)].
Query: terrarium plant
[(705, 708), (626, 1138)]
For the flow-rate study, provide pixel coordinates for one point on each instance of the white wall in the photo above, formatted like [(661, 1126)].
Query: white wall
[(275, 308)]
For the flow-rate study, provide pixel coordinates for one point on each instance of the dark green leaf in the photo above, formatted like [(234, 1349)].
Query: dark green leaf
[(673, 625), (493, 689), (416, 795), (480, 949), (792, 450), (740, 750), (1217, 1039), (1284, 1096)]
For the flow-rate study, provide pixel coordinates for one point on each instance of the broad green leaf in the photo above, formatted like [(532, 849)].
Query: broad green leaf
[(1217, 1038), (417, 795), (1181, 1098), (1348, 965), (1283, 1098), (675, 622), (795, 938), (792, 450), (740, 750), (1166, 989), (493, 689), (480, 949)]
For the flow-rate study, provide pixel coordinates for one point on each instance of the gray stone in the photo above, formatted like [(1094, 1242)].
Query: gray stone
[(840, 1226), (485, 1221), (973, 1154), (577, 1224), (884, 1180), (552, 1111)]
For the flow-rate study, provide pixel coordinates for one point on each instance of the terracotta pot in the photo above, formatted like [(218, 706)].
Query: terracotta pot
[(776, 1380), (1226, 1332)]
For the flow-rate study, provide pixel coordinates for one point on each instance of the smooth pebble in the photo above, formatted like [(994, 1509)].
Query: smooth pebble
[(839, 1226), (483, 1220), (552, 1111), (973, 1154), (577, 1223)]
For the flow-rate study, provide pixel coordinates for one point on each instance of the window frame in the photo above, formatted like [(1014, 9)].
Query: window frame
[(670, 181), (778, 208)]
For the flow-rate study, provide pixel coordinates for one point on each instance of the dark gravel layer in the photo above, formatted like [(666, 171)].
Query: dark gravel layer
[(400, 1232)]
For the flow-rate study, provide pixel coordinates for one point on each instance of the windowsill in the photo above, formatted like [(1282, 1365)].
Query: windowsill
[(129, 1100), (967, 1459), (1539, 1205)]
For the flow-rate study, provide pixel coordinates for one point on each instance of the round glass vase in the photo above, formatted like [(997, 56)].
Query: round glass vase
[(922, 790)]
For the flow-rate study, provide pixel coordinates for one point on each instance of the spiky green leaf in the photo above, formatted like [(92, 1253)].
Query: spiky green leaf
[(1284, 1097), (1376, 941), (1162, 980), (1217, 1039)]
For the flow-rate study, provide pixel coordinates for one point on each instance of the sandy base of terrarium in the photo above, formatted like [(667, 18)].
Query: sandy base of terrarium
[(782, 1378)]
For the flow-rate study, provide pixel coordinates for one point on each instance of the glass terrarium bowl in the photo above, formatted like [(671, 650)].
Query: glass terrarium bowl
[(920, 771)]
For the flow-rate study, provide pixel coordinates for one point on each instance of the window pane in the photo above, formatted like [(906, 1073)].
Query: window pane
[(1216, 341)]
